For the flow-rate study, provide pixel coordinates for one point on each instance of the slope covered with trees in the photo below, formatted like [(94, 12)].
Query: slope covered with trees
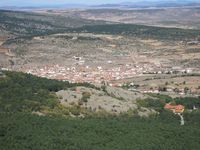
[(25, 131), (21, 94), (141, 31), (33, 24)]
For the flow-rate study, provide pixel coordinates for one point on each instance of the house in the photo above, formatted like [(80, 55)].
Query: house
[(175, 108)]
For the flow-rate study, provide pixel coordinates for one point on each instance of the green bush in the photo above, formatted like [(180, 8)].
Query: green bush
[(85, 96)]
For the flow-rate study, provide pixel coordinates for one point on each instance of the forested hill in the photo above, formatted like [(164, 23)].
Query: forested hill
[(32, 24), (29, 24), (21, 92), (141, 31), (23, 96)]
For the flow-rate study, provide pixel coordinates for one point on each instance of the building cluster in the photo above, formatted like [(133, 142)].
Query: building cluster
[(87, 73)]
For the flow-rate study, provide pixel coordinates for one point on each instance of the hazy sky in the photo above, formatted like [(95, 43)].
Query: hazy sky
[(55, 2), (52, 2)]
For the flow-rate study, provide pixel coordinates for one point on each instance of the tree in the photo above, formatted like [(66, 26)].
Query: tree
[(162, 89), (186, 89), (85, 96)]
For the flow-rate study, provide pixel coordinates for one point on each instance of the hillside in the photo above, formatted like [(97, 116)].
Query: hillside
[(33, 39), (150, 4), (100, 79), (26, 93), (31, 116), (142, 31), (23, 131), (177, 17), (31, 24)]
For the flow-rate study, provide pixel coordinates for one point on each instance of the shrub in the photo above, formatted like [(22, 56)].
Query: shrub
[(85, 96)]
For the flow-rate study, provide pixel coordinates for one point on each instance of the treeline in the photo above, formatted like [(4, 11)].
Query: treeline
[(24, 25), (141, 31), (30, 24), (25, 92), (27, 25), (188, 102), (158, 101)]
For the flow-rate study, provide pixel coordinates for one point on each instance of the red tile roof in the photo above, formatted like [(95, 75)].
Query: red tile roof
[(175, 108)]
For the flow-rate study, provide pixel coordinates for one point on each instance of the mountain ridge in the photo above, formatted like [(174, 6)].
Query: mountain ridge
[(135, 4)]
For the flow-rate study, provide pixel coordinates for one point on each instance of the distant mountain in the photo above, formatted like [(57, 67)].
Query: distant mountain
[(135, 4), (44, 7), (154, 3)]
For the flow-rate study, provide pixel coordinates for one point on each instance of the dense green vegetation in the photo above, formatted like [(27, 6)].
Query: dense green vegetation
[(156, 104), (188, 102), (21, 94), (25, 23), (166, 98), (29, 24), (24, 131), (141, 31), (25, 92), (190, 115)]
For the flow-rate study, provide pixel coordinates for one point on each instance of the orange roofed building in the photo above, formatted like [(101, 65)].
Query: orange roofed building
[(175, 108)]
